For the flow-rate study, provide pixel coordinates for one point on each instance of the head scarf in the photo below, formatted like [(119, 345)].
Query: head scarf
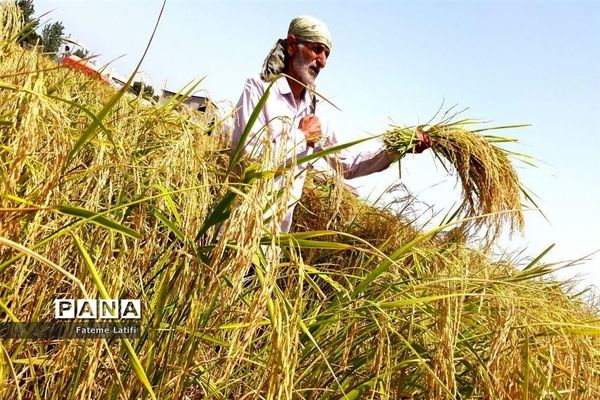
[(310, 29), (304, 28)]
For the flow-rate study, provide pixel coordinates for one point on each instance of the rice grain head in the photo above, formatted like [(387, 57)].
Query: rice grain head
[(491, 190)]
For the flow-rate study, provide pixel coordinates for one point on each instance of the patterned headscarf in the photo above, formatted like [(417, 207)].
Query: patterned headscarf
[(304, 28)]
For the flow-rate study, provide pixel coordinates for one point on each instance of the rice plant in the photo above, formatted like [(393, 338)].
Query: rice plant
[(491, 190), (360, 304)]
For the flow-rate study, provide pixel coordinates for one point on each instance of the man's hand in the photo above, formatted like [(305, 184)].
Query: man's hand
[(311, 126), (422, 141)]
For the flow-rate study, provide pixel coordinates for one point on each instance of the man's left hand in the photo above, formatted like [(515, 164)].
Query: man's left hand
[(422, 141)]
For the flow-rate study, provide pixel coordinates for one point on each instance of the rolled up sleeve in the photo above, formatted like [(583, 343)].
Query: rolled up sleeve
[(354, 163)]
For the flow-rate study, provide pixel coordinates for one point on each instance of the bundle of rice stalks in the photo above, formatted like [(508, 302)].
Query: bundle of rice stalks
[(491, 190)]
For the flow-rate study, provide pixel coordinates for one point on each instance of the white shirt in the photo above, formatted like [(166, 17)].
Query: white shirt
[(279, 119)]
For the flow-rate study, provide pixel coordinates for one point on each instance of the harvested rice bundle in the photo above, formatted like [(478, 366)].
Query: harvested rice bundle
[(491, 190)]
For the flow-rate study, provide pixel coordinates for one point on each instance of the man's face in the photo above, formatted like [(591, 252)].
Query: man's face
[(308, 61)]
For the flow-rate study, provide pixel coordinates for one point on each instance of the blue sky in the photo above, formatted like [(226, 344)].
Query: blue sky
[(534, 62)]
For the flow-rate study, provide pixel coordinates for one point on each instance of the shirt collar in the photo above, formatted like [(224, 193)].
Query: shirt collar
[(284, 89), (283, 86)]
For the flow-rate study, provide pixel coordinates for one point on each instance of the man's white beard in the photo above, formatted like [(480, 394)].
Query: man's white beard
[(305, 75)]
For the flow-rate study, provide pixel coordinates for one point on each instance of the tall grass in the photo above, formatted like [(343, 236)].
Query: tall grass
[(359, 305)]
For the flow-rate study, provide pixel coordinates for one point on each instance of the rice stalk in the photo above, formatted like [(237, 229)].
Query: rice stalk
[(491, 189)]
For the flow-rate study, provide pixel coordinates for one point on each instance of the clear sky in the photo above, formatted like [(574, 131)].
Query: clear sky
[(511, 62)]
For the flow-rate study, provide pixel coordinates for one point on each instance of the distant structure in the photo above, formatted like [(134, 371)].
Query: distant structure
[(66, 55), (196, 102)]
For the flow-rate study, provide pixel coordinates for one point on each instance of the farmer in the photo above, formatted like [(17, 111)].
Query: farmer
[(295, 124)]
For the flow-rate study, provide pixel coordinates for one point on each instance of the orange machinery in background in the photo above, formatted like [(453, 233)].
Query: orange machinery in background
[(84, 66)]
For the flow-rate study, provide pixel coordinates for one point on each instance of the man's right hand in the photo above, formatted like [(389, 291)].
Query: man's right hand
[(311, 127)]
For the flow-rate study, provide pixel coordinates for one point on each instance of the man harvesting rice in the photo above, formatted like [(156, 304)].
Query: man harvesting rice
[(294, 124)]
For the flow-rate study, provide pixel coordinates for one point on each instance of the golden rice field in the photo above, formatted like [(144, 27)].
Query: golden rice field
[(105, 196)]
